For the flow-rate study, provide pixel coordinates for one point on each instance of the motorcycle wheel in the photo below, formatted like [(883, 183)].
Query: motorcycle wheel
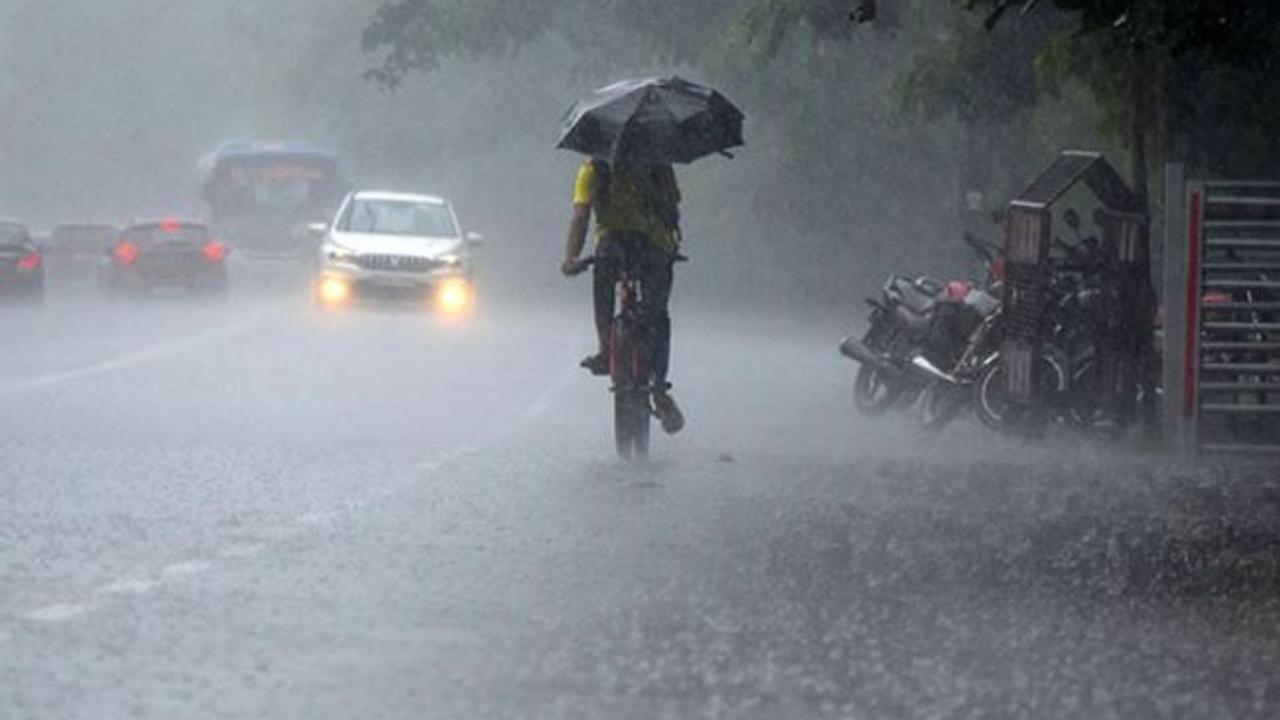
[(874, 392), (942, 404)]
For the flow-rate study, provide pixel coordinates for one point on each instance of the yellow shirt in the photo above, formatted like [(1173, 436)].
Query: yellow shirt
[(627, 209)]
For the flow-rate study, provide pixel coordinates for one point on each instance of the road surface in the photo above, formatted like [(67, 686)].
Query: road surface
[(243, 510)]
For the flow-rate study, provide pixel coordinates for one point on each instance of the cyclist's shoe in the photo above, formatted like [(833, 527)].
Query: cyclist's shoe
[(596, 364), (668, 413)]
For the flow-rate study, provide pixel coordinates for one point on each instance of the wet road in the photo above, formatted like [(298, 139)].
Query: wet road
[(242, 510)]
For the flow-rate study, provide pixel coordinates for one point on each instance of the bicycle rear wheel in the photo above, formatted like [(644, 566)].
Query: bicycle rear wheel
[(993, 406)]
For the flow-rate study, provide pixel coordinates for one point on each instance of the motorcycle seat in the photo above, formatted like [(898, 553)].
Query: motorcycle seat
[(917, 321), (917, 296)]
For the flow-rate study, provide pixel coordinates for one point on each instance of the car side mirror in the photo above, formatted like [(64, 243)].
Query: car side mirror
[(474, 239)]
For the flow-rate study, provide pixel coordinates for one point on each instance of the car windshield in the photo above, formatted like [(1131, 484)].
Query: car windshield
[(12, 233), (398, 217)]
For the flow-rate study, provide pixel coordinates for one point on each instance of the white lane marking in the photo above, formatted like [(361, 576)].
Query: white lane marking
[(535, 410), (128, 586), (241, 550), (279, 532), (62, 612), (56, 613), (316, 518), (454, 454), (123, 362), (542, 403), (187, 568)]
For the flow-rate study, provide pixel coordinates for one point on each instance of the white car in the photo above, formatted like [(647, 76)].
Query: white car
[(395, 246)]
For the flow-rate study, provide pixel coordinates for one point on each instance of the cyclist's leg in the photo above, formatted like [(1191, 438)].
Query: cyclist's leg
[(658, 279), (604, 288), (658, 270)]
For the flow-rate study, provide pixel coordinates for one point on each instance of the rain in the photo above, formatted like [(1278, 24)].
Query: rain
[(712, 359)]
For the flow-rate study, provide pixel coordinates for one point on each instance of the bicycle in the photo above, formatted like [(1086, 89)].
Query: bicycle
[(631, 358)]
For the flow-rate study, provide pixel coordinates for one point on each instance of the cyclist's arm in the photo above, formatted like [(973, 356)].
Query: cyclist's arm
[(577, 236)]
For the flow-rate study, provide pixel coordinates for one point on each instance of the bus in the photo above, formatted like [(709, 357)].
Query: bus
[(261, 196)]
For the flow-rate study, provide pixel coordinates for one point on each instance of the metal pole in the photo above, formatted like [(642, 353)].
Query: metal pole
[(1175, 315), (1195, 201)]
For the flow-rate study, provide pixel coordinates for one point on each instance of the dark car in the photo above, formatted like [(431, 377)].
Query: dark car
[(166, 253), (21, 266)]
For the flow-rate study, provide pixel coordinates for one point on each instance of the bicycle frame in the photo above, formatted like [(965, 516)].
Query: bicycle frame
[(630, 346)]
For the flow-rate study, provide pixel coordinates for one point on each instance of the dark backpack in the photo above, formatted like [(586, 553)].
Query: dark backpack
[(657, 184)]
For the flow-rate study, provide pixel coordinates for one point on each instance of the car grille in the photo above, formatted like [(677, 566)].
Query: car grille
[(396, 263)]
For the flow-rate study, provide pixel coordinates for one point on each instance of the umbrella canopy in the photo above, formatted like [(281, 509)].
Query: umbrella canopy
[(651, 122)]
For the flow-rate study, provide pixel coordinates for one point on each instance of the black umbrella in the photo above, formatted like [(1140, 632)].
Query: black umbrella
[(653, 121)]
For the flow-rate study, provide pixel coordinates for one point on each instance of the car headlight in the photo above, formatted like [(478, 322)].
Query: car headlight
[(334, 291), (454, 297), (338, 253), (451, 259)]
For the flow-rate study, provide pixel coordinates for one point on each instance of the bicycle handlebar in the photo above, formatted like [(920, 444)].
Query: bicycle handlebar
[(583, 264)]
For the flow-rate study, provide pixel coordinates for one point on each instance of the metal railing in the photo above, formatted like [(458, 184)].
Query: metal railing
[(1222, 316)]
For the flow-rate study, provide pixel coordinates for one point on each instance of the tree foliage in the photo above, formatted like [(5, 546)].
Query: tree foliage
[(1220, 30), (854, 125), (1163, 71), (405, 36)]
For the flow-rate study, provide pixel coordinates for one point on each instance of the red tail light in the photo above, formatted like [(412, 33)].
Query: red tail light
[(126, 253), (29, 262), (215, 252)]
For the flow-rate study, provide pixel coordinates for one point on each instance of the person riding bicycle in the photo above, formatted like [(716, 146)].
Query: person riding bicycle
[(637, 212)]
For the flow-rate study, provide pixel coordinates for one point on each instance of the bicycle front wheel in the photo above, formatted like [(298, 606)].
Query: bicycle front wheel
[(631, 416), (631, 407)]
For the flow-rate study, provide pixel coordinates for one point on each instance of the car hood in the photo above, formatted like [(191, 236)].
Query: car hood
[(428, 247)]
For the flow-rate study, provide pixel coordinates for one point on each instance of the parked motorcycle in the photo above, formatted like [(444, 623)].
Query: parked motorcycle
[(917, 325)]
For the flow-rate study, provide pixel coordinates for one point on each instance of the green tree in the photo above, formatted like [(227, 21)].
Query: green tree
[(833, 177), (1150, 62)]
